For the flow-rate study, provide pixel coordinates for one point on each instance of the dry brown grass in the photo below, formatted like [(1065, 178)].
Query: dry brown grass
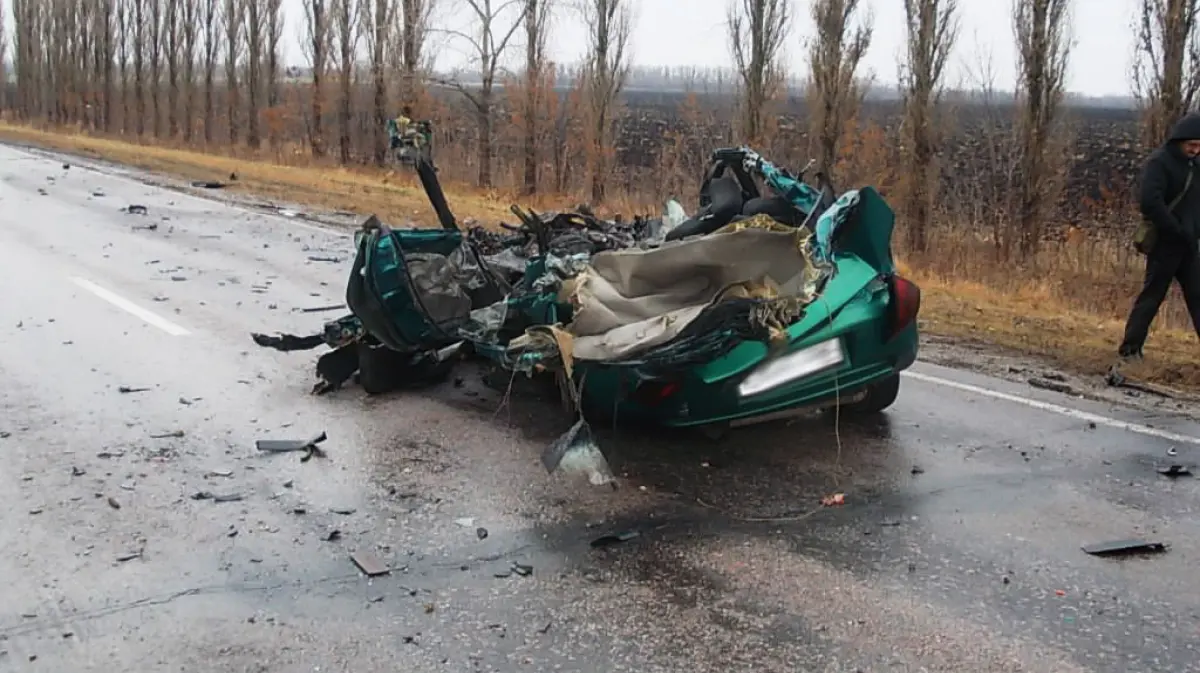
[(1059, 316)]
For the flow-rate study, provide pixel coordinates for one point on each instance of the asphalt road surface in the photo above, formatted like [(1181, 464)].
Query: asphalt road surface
[(958, 547)]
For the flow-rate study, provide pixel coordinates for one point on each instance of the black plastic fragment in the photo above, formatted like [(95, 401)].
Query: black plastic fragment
[(1175, 470), (289, 342), (1124, 547), (208, 184)]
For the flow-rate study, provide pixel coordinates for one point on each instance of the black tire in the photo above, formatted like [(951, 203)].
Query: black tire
[(880, 396)]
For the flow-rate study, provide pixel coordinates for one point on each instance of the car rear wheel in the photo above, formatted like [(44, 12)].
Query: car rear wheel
[(879, 396)]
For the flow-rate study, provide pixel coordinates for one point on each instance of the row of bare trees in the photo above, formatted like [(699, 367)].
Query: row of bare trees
[(177, 70)]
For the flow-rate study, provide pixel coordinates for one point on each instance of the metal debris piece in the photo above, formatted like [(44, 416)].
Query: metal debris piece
[(325, 258), (129, 556), (135, 209), (332, 536), (1175, 470), (322, 309), (1124, 547), (208, 184), (522, 569), (344, 511), (614, 539), (576, 451), (288, 445), (208, 495), (174, 434), (370, 564), (129, 389)]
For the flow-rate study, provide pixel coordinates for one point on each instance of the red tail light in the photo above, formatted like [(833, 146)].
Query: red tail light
[(904, 304), (652, 393)]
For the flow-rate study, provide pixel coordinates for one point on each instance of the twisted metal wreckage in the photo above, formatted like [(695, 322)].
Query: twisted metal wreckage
[(625, 314)]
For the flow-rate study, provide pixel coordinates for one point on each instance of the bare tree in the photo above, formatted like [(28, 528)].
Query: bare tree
[(378, 18), (139, 16), (537, 24), (835, 93), (932, 26), (489, 39), (605, 71), (172, 40), (1166, 69), (105, 58), (316, 21), (124, 36), (345, 27), (414, 25), (3, 58), (189, 45), (234, 46), (210, 18), (1043, 48), (256, 16), (154, 46), (273, 33), (757, 30)]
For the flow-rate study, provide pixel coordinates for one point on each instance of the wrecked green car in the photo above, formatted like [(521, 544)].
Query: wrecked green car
[(756, 306)]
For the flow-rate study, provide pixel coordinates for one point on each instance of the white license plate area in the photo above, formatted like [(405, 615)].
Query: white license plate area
[(794, 366)]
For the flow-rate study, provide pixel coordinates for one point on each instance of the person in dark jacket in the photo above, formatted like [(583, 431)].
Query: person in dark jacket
[(1176, 252)]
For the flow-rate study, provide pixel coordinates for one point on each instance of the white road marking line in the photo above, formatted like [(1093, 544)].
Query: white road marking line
[(1057, 409), (130, 307)]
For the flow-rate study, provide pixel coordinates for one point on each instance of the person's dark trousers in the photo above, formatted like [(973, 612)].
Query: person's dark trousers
[(1166, 263)]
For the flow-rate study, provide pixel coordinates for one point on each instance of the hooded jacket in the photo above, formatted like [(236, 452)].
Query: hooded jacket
[(1163, 178)]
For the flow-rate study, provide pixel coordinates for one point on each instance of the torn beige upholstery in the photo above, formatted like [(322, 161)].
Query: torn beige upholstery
[(631, 300)]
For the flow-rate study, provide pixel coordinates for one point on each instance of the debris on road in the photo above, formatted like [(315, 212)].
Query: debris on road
[(135, 209), (614, 539), (481, 533), (208, 184), (576, 451), (1052, 386), (77, 471), (174, 434), (308, 446), (129, 556), (1175, 470), (129, 389), (522, 569), (1124, 547), (112, 502), (344, 511), (834, 500), (325, 258), (288, 342), (332, 536), (321, 309), (369, 564), (207, 495)]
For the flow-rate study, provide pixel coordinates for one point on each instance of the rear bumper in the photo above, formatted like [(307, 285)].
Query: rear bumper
[(696, 403)]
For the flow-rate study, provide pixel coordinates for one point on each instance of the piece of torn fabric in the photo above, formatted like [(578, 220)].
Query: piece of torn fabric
[(628, 301)]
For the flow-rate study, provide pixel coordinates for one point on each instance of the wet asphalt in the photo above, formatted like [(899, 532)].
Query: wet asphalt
[(957, 547)]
